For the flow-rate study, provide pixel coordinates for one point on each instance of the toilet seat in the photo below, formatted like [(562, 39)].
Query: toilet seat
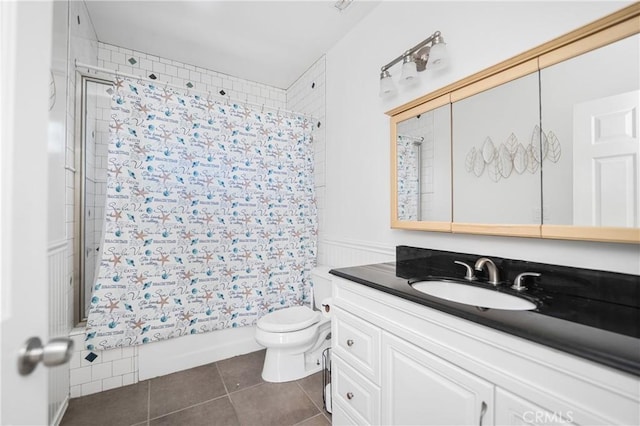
[(289, 319)]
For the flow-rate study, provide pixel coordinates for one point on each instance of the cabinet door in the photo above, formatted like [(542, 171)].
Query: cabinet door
[(419, 388), (511, 410)]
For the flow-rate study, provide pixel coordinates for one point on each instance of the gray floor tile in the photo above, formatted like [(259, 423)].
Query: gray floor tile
[(273, 404), (218, 412), (122, 406), (242, 371), (312, 385), (318, 420), (183, 389)]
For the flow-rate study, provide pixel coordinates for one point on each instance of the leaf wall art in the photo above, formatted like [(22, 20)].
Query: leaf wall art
[(500, 162)]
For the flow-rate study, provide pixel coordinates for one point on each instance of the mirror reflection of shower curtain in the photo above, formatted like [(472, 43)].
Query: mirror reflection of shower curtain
[(409, 157)]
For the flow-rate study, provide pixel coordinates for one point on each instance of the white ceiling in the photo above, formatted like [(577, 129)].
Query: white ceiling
[(270, 42)]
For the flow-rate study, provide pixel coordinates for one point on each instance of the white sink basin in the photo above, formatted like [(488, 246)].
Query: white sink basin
[(471, 295)]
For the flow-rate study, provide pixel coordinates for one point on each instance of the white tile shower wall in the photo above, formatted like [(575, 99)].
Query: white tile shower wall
[(97, 371), (96, 145), (88, 256), (180, 74), (307, 95)]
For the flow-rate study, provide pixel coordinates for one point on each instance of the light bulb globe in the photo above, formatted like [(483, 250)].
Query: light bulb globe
[(438, 57), (387, 87), (409, 73)]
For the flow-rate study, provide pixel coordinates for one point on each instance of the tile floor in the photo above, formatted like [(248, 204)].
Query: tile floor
[(227, 392)]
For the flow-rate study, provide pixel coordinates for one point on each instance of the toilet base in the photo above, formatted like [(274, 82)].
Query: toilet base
[(284, 366)]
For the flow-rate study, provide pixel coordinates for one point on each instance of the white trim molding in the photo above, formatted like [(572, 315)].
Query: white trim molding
[(344, 252)]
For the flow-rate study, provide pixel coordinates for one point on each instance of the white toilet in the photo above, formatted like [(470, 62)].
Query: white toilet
[(295, 337)]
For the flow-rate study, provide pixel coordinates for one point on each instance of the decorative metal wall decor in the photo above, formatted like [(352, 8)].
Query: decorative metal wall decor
[(500, 162)]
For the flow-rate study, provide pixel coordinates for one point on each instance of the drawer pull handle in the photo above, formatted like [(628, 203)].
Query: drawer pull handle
[(483, 410), (349, 395), (349, 342)]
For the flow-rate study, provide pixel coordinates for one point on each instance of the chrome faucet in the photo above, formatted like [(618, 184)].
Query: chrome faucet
[(492, 269), (517, 283), (470, 275)]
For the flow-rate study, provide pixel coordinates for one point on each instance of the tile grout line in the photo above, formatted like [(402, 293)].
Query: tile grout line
[(228, 395), (246, 388), (321, 409), (190, 406), (148, 401), (222, 379), (308, 418)]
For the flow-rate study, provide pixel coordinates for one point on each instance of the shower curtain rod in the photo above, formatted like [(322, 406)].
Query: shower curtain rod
[(209, 94)]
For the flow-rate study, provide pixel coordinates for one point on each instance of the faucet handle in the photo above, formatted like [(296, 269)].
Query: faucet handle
[(470, 274), (517, 283)]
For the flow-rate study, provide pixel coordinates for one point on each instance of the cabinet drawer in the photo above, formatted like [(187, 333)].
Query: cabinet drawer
[(339, 417), (357, 396), (358, 343)]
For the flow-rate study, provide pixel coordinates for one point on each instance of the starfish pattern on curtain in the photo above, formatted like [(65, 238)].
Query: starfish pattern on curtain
[(211, 219)]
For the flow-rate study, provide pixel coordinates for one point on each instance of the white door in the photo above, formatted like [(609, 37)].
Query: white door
[(419, 388), (25, 49), (606, 151)]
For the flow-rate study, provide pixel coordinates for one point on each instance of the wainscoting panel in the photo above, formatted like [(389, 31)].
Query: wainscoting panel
[(339, 253), (58, 327)]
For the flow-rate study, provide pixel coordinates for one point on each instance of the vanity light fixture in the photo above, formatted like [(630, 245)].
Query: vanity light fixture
[(430, 53)]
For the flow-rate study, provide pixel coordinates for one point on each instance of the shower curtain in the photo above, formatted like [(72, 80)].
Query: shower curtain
[(210, 217)]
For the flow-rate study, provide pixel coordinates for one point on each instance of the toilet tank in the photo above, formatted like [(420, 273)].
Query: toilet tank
[(321, 280)]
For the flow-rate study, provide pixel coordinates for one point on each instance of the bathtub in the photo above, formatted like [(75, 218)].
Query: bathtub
[(169, 356)]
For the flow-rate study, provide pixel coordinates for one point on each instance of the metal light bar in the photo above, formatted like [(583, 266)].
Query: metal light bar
[(413, 50)]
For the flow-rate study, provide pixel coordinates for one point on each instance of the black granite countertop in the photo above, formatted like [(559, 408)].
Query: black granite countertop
[(605, 331)]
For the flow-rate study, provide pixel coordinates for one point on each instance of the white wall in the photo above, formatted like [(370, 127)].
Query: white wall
[(479, 34)]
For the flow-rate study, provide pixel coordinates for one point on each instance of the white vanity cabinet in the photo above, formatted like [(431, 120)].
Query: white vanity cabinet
[(419, 388), (515, 411), (396, 362)]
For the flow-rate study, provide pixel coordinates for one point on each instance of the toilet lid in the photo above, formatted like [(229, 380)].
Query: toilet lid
[(289, 319)]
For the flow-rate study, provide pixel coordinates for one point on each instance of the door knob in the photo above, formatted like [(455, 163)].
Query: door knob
[(56, 352)]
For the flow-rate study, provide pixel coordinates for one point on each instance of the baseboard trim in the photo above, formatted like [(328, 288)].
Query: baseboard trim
[(60, 413)]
